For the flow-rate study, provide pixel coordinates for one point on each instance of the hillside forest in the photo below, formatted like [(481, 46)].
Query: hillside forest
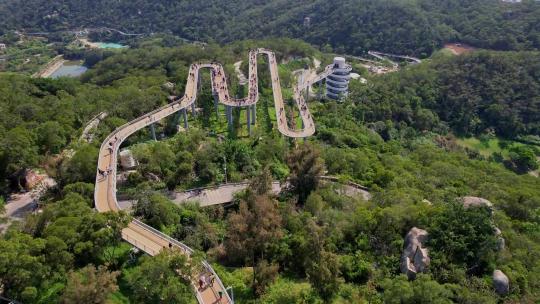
[(398, 136)]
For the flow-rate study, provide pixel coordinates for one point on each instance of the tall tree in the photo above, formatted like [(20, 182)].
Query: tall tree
[(463, 236), (306, 167), (264, 275), (322, 266), (90, 285), (162, 279), (81, 167), (253, 228), (156, 210), (262, 183), (17, 152)]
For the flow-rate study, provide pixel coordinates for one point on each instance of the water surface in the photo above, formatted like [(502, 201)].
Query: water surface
[(70, 69), (105, 45)]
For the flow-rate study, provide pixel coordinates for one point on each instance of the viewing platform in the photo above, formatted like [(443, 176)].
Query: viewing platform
[(337, 83)]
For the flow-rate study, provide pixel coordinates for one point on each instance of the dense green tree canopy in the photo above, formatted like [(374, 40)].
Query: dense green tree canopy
[(354, 26), (392, 136), (478, 93)]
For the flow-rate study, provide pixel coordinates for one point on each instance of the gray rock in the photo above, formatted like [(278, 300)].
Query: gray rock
[(127, 161), (415, 257), (501, 282), (501, 244), (473, 201)]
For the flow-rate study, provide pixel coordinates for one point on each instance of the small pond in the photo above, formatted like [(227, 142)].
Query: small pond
[(105, 45), (70, 69)]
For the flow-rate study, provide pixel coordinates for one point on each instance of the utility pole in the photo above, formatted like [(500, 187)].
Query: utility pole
[(153, 131)]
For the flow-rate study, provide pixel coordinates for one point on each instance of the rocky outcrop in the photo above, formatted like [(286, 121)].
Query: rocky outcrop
[(415, 258), (473, 201), (127, 161), (501, 282)]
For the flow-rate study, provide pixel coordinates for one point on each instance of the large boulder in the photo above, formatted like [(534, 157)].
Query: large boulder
[(473, 201), (414, 258), (501, 244), (501, 282), (127, 161)]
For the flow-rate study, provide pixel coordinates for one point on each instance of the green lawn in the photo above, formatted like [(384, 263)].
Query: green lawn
[(485, 148), (490, 146)]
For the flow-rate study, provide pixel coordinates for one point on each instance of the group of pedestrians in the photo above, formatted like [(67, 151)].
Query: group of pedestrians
[(207, 280), (111, 149), (253, 86), (220, 82)]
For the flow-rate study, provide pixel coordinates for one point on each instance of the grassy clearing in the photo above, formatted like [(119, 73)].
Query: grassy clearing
[(484, 147), (488, 147)]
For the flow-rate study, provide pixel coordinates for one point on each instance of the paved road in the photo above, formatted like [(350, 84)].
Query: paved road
[(21, 204), (216, 195), (143, 236), (223, 194)]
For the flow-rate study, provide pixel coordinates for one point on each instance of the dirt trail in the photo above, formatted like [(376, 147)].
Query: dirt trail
[(242, 79), (21, 204)]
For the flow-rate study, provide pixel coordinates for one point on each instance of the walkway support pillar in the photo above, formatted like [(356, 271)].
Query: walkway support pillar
[(254, 114), (248, 116), (216, 105), (229, 116), (153, 130), (176, 121), (184, 113)]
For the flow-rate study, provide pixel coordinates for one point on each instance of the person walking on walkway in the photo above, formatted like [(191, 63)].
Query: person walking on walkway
[(201, 283)]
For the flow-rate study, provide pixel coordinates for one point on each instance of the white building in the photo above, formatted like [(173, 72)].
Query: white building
[(2, 46), (337, 83)]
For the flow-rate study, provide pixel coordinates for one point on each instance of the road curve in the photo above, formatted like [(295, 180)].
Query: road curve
[(145, 237)]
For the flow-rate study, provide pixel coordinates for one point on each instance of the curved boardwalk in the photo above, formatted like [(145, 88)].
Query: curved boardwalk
[(150, 240)]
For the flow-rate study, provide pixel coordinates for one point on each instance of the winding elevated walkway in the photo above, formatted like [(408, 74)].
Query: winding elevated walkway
[(381, 56), (149, 239), (86, 135)]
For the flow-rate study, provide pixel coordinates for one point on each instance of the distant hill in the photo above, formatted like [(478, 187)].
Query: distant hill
[(354, 26)]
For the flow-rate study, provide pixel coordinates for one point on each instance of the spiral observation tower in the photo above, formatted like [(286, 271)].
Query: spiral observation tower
[(337, 83)]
